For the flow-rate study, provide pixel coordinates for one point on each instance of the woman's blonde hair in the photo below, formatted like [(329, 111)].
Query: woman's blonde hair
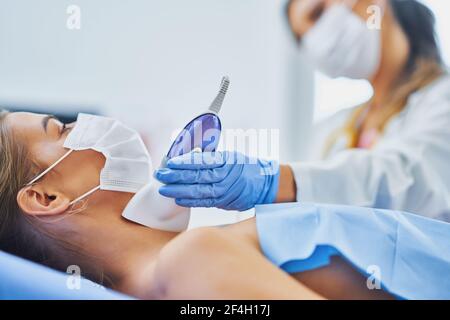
[(424, 66), (22, 234)]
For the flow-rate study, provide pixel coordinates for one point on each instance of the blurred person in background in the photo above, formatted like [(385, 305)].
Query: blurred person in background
[(391, 152)]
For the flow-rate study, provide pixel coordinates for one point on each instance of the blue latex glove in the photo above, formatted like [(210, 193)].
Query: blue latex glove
[(226, 180)]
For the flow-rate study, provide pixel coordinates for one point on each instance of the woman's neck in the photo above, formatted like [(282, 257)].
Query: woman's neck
[(394, 57), (136, 253), (126, 251)]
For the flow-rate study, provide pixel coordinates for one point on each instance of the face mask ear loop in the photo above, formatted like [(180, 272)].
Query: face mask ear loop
[(71, 211), (64, 216), (84, 195), (49, 168)]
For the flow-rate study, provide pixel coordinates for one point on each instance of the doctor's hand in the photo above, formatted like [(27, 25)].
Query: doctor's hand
[(226, 180)]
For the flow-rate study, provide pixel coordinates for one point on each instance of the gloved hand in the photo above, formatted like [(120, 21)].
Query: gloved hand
[(226, 180)]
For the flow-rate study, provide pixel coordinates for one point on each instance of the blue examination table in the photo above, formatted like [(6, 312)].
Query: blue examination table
[(24, 280)]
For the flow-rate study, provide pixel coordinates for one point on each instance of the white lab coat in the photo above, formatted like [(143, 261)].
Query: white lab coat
[(408, 169)]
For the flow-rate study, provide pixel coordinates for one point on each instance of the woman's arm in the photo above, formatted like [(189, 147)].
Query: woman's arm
[(227, 263), (339, 280), (211, 263)]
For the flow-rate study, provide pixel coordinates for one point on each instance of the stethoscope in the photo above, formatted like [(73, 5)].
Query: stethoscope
[(201, 134)]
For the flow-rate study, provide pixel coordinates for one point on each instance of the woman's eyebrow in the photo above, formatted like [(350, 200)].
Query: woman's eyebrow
[(45, 121)]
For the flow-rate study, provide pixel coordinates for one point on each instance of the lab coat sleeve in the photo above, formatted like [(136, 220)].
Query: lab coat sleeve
[(406, 173)]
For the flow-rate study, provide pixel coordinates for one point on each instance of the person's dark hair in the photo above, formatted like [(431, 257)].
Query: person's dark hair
[(418, 23)]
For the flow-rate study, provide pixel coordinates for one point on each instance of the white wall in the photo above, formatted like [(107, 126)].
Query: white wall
[(153, 63), (157, 63), (441, 10)]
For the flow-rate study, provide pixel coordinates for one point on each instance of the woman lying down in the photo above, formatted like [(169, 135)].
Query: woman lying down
[(64, 189)]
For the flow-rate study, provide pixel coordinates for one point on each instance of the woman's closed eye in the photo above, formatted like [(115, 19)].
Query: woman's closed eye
[(65, 129), (53, 124)]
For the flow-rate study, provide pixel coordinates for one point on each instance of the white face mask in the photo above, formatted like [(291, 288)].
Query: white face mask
[(340, 44), (128, 165), (127, 168)]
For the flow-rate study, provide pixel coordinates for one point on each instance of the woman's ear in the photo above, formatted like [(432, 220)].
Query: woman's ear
[(34, 200)]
